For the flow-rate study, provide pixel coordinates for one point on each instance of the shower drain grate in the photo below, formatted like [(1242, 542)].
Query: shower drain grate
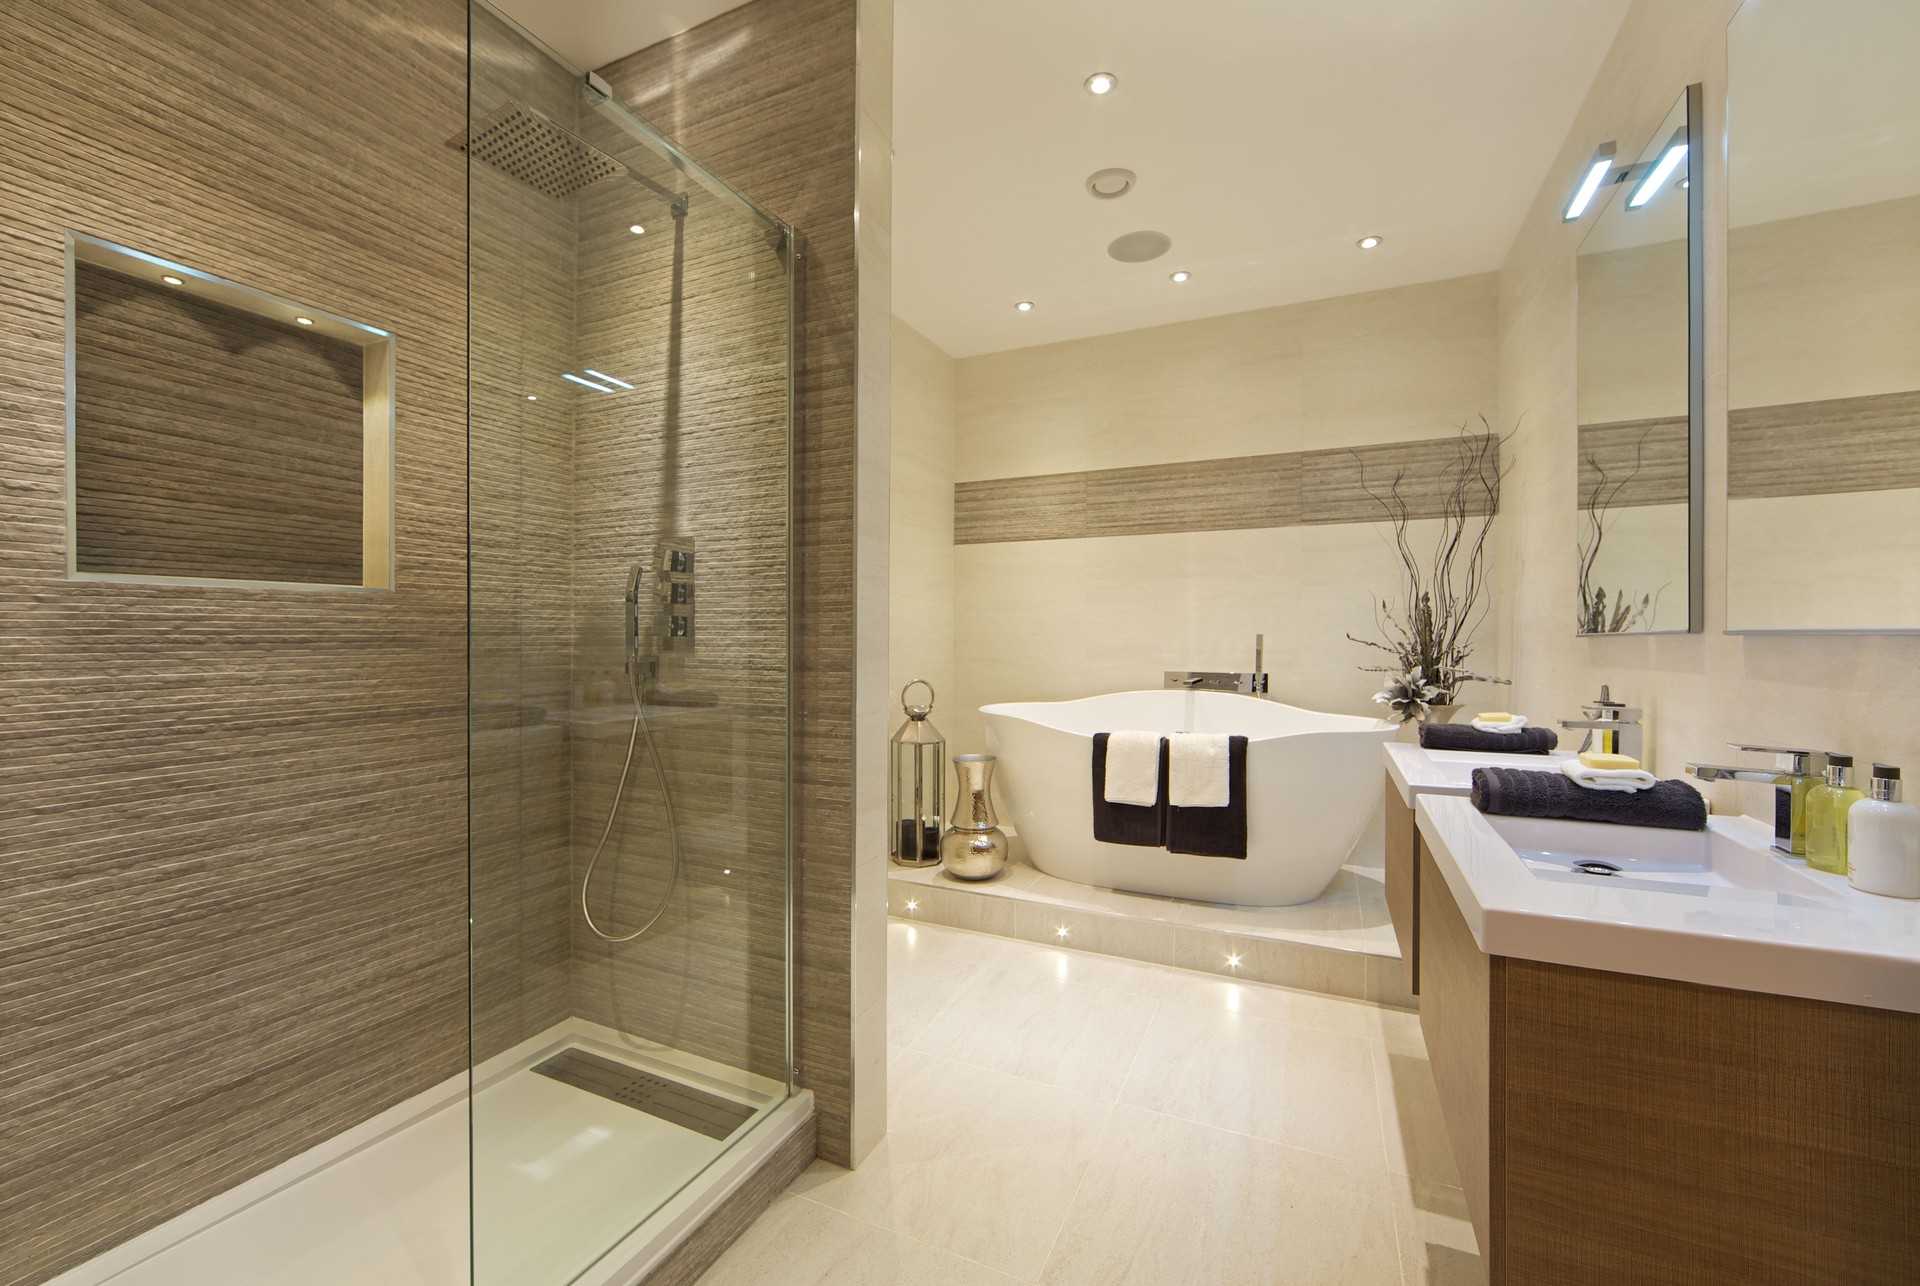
[(696, 1110)]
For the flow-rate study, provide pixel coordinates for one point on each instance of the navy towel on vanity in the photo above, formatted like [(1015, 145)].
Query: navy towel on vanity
[(1141, 825), (1522, 792), (1464, 736), (1215, 832)]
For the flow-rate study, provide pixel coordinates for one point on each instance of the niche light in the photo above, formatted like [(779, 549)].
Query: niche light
[(1233, 961), (913, 904), (1060, 932), (598, 388), (1368, 242), (1102, 82), (636, 229), (1597, 170), (533, 397), (1178, 277), (304, 321), (1657, 177), (172, 280), (607, 379)]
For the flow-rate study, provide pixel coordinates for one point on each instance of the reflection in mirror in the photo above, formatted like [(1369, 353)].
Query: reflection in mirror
[(1823, 286), (1636, 546)]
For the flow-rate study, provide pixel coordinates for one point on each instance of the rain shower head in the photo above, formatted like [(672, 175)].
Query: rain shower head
[(519, 141)]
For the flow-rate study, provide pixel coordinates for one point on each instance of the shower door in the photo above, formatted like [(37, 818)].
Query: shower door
[(628, 478)]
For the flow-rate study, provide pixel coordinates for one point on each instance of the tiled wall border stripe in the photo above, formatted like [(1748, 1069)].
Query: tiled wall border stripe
[(1287, 489)]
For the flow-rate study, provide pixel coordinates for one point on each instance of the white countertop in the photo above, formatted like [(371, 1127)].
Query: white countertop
[(1418, 772), (1753, 921)]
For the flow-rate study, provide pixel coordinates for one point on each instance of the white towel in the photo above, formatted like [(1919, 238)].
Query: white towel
[(1623, 779), (1197, 770), (1514, 724), (1133, 768)]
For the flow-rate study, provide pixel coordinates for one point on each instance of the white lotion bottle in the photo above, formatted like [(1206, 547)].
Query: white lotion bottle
[(1883, 839)]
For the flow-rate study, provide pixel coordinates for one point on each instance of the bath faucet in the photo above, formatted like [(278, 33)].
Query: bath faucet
[(1618, 725), (1795, 772)]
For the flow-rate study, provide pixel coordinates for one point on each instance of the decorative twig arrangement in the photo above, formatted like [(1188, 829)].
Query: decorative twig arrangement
[(1623, 614), (1429, 633)]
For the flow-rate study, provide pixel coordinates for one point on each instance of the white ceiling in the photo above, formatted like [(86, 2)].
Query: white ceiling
[(592, 33), (1268, 136)]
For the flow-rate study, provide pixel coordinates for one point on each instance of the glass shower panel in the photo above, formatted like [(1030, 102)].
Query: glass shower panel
[(628, 483)]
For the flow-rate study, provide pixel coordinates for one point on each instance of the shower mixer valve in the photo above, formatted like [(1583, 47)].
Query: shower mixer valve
[(660, 616)]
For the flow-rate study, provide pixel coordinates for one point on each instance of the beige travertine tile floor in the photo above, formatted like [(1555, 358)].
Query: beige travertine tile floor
[(1067, 1118)]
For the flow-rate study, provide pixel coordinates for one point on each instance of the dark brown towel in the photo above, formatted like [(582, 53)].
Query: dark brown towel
[(1523, 792), (1141, 825), (1213, 832), (1464, 736)]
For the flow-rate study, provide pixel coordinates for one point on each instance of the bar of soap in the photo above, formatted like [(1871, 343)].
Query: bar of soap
[(1601, 760), (1497, 716)]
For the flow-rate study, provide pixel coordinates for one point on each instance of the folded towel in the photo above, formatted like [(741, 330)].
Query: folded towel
[(1197, 770), (1142, 826), (1522, 792), (1502, 727), (1627, 780), (1451, 736), (1215, 832), (1133, 768)]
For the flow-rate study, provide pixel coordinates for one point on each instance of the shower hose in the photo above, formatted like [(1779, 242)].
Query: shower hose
[(639, 731)]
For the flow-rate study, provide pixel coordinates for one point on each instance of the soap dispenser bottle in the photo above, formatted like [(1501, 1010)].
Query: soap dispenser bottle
[(1883, 839), (1827, 806)]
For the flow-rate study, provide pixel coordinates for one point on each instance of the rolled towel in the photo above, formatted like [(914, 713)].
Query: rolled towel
[(1522, 792), (1452, 736), (1503, 727), (1197, 770), (1133, 768), (1626, 780)]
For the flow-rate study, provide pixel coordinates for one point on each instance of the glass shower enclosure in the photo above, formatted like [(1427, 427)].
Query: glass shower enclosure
[(628, 482)]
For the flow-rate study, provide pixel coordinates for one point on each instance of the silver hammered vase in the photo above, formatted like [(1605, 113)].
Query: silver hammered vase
[(975, 848)]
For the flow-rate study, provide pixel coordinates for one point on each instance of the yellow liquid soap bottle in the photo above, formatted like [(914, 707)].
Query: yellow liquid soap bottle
[(1827, 806)]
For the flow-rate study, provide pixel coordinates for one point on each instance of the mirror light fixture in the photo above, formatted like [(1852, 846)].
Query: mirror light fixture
[(1597, 170), (1663, 170), (1102, 82)]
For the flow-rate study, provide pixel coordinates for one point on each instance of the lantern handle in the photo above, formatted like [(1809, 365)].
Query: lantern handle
[(914, 711)]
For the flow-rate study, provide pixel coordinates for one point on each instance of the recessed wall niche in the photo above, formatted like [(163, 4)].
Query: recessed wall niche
[(219, 434)]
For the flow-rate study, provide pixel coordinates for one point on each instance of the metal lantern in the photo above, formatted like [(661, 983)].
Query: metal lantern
[(917, 789)]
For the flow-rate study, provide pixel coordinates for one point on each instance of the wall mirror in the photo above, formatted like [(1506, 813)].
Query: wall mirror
[(218, 434), (1823, 316), (1641, 375)]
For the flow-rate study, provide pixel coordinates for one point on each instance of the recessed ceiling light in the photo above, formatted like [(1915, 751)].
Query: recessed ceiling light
[(636, 229), (304, 321), (172, 280), (1102, 82), (1024, 306), (1110, 184), (1367, 243), (1182, 275), (1139, 247)]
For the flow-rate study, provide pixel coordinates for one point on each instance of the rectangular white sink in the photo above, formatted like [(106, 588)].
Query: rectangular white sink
[(1418, 772), (1654, 860), (1716, 907)]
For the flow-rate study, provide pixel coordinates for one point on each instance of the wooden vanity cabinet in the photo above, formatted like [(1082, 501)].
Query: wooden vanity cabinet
[(1403, 881), (1611, 1128)]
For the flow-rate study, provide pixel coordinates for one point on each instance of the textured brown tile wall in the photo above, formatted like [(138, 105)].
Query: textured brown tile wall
[(211, 442), (1285, 489), (765, 94), (232, 822)]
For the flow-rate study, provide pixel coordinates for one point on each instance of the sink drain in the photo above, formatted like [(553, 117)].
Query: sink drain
[(1596, 868)]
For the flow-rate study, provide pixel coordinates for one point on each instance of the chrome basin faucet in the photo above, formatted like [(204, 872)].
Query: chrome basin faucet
[(1795, 772), (1610, 726)]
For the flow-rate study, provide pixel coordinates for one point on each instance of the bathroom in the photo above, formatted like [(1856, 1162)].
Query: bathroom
[(485, 476)]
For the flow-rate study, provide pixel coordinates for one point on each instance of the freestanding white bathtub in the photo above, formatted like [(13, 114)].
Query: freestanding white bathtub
[(1313, 781)]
